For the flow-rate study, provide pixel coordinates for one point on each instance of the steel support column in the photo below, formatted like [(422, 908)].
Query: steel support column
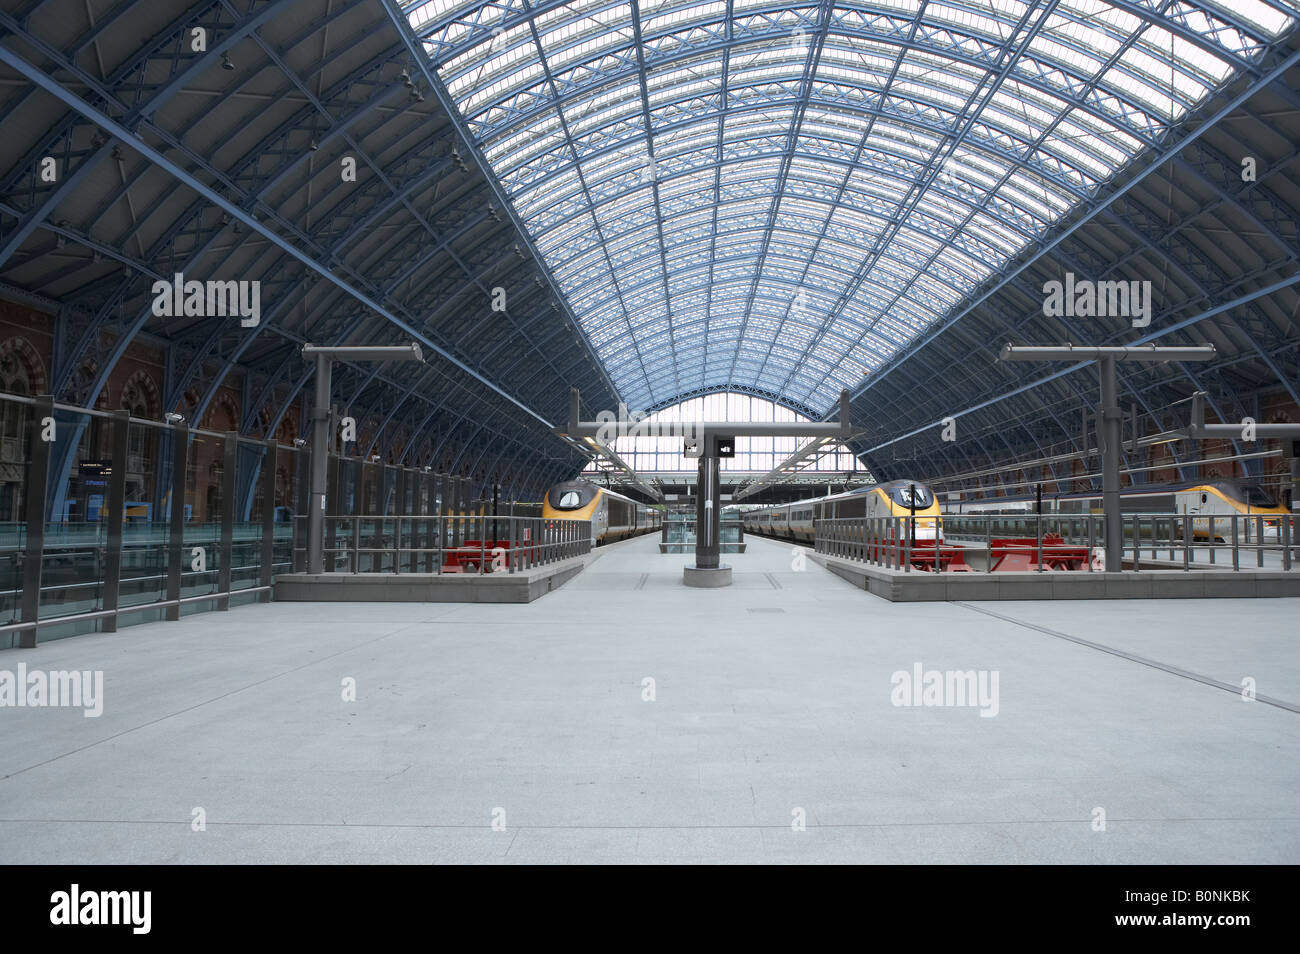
[(229, 474), (320, 439), (267, 574), (1111, 418), (115, 517), (38, 472), (176, 523), (708, 509)]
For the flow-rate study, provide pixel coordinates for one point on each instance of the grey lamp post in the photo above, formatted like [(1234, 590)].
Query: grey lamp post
[(1111, 416), (321, 418)]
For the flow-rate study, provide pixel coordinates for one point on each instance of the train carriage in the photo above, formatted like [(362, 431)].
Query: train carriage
[(1210, 504), (897, 498), (612, 515)]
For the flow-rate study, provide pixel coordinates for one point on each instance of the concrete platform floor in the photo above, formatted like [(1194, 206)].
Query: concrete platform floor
[(772, 699)]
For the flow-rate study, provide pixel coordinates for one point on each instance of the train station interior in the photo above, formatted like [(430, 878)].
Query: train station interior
[(649, 431)]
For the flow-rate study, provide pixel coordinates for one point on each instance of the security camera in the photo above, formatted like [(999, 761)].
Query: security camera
[(299, 442), (173, 418)]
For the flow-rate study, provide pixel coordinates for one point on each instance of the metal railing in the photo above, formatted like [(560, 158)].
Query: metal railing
[(467, 543), (88, 546), (177, 528), (891, 542), (993, 542), (91, 576)]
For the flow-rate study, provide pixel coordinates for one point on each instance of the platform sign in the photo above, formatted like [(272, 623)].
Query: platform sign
[(726, 447), (95, 473), (691, 447)]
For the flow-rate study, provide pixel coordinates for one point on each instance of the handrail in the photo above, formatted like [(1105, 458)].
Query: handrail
[(124, 610), (461, 542)]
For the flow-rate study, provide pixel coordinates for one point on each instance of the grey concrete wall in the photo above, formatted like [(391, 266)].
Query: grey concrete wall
[(901, 587), (426, 587)]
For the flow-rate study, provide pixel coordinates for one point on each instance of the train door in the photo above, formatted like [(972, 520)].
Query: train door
[(1193, 503), (1206, 507)]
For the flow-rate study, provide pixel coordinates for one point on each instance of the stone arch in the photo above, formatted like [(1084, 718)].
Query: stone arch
[(222, 415), (423, 452), (21, 372), (21, 367), (140, 396)]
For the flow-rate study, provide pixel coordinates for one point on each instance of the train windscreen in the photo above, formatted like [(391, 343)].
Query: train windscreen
[(910, 495), (573, 495), (1252, 495), (1259, 497)]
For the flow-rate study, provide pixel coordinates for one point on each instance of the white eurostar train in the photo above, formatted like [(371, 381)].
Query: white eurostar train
[(1220, 499), (897, 498)]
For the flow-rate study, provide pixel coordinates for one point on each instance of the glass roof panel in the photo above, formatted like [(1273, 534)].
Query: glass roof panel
[(787, 199)]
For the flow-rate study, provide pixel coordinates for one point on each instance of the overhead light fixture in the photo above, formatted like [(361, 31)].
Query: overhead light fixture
[(314, 145), (225, 62), (405, 77)]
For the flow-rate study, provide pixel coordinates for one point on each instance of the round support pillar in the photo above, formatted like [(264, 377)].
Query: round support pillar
[(709, 577)]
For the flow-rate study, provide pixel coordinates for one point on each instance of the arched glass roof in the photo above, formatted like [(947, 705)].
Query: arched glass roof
[(781, 197)]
